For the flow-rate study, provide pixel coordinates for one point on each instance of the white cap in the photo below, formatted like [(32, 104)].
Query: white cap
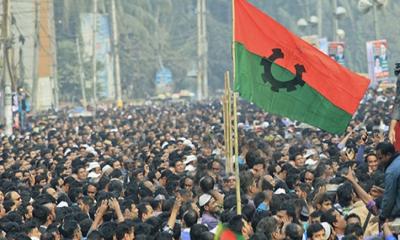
[(187, 142), (92, 166), (62, 204), (328, 230), (190, 168), (204, 199), (93, 175), (309, 153), (107, 169), (280, 191), (189, 159)]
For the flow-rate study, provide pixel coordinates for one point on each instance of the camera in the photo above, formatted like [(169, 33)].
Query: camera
[(397, 69)]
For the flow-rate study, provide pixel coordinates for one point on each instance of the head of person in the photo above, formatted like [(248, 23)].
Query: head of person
[(309, 177), (125, 231), (271, 228), (299, 160), (315, 217), (196, 230), (239, 225), (302, 190), (355, 230), (15, 198), (335, 219), (190, 218), (286, 213), (372, 162), (294, 231), (344, 194), (353, 218), (71, 230), (145, 211), (323, 202), (179, 167), (385, 151), (248, 183), (315, 231), (208, 204)]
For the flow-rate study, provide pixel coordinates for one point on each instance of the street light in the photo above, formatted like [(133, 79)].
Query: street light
[(365, 6), (302, 24), (314, 20), (340, 33), (339, 13)]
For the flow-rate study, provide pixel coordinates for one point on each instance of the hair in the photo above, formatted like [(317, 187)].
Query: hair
[(246, 180), (190, 218), (294, 232), (267, 226), (314, 228), (385, 148), (353, 215), (95, 235), (142, 209), (304, 187), (68, 228), (122, 229), (329, 216), (236, 224), (40, 213), (196, 230), (108, 230), (354, 229), (345, 194)]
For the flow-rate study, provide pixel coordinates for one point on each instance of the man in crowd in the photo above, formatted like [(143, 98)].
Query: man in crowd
[(155, 172)]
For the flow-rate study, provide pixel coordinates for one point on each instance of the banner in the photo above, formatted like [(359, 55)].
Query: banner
[(378, 67), (163, 81), (105, 76), (336, 52), (320, 43)]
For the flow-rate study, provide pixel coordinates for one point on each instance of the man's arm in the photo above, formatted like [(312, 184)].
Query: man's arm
[(395, 113), (389, 195)]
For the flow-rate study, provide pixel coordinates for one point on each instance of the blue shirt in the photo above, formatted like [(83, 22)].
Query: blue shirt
[(391, 196)]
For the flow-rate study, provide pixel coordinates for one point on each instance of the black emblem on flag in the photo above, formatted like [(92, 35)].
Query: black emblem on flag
[(276, 84)]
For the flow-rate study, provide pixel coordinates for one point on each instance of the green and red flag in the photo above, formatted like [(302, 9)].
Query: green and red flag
[(285, 75), (224, 233)]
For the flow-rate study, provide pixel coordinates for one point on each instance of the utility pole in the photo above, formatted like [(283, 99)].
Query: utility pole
[(81, 74), (117, 75), (376, 25), (35, 59), (319, 12), (55, 64), (7, 48), (205, 47), (335, 21), (94, 61), (200, 69)]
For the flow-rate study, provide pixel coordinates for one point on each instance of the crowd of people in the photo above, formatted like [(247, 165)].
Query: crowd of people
[(158, 172)]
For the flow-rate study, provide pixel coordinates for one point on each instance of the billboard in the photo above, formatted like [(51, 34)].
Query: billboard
[(163, 81), (336, 52), (105, 76), (320, 43), (378, 67)]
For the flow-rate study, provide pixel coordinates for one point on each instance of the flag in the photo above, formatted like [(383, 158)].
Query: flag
[(224, 233), (285, 75)]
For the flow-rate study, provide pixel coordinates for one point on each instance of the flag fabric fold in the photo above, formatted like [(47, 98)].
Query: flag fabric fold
[(285, 75)]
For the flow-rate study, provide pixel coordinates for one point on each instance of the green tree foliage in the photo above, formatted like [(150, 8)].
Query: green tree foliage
[(155, 33)]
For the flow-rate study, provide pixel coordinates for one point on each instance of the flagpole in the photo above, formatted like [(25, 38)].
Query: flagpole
[(233, 44), (235, 123), (228, 163), (228, 124)]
